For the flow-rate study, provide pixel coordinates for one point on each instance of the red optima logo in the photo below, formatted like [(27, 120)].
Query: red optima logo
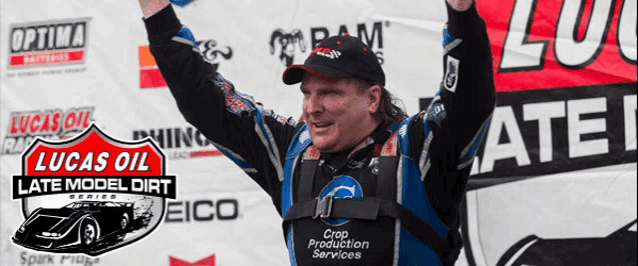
[(48, 43)]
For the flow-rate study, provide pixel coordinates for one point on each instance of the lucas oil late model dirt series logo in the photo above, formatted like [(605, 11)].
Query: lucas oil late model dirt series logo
[(91, 193)]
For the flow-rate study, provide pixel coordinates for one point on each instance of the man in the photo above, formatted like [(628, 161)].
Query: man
[(357, 182)]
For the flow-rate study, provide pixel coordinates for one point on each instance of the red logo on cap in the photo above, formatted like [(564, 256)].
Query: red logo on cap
[(327, 52)]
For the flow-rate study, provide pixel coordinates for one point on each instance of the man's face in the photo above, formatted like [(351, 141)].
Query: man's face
[(337, 112)]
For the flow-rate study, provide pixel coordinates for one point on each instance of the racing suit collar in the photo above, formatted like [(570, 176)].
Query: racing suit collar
[(337, 160)]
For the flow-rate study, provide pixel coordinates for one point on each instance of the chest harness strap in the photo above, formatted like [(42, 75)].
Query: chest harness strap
[(384, 204)]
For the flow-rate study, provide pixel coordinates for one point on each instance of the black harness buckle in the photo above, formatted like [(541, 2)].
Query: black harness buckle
[(323, 207)]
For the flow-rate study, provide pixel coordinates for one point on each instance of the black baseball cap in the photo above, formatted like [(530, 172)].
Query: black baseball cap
[(339, 57)]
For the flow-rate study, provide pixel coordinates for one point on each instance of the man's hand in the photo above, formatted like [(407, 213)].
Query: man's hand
[(150, 7), (460, 5)]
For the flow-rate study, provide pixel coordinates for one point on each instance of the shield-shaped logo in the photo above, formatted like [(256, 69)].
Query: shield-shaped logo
[(91, 193)]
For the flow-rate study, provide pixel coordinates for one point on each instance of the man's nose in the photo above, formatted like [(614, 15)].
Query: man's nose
[(313, 105)]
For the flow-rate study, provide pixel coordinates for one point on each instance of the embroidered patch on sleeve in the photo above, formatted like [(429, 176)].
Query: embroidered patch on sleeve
[(234, 102), (451, 73)]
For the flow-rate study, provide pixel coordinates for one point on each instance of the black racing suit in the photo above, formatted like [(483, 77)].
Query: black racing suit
[(442, 139)]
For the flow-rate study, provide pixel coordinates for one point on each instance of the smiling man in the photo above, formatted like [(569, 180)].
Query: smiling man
[(358, 182)]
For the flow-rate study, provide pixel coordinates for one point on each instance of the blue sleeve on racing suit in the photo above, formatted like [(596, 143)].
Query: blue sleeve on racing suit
[(254, 138)]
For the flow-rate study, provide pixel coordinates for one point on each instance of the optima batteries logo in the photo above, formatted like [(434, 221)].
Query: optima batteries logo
[(45, 43), (52, 124)]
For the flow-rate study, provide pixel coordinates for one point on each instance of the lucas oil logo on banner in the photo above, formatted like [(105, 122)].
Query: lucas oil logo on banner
[(48, 43), (287, 42), (90, 194), (150, 76), (53, 124)]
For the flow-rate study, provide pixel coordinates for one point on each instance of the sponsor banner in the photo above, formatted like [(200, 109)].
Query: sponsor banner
[(180, 142), (41, 47), (90, 194), (569, 55), (584, 217), (150, 76), (236, 228), (562, 139), (48, 43), (286, 44), (33, 258), (553, 44), (540, 132), (52, 124), (208, 261)]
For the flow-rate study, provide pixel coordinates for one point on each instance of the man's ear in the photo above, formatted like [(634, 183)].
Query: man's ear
[(374, 98)]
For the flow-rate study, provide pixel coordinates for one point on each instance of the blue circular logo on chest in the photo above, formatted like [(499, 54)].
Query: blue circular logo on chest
[(341, 187)]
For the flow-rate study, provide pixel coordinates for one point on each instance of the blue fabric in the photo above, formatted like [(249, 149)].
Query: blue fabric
[(414, 198), (403, 136), (447, 38), (291, 253), (187, 34), (297, 145), (237, 161), (259, 119), (181, 2)]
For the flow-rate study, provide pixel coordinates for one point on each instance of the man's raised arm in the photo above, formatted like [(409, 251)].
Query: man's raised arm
[(254, 138), (467, 87), (458, 5), (150, 7)]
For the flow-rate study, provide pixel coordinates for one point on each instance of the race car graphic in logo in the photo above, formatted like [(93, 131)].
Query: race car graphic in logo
[(76, 224), (91, 193), (48, 43), (341, 187)]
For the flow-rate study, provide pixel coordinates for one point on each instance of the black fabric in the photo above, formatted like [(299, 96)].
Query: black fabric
[(370, 208), (308, 169), (387, 182), (162, 26), (466, 24)]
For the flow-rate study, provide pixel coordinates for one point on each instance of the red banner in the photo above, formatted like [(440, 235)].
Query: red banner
[(557, 44)]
